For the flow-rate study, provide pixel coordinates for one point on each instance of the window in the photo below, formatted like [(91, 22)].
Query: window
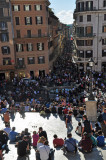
[(81, 54), (17, 21), (4, 37), (104, 3), (1, 12), (18, 33), (29, 47), (29, 33), (3, 25), (41, 60), (8, 12), (16, 7), (6, 61), (49, 22), (104, 67), (104, 17), (80, 6), (104, 29), (89, 31), (104, 41), (5, 50), (39, 33), (20, 62), (80, 31), (31, 60), (80, 42), (81, 18), (40, 46), (50, 44), (28, 20), (19, 47), (103, 53), (89, 5), (88, 18), (38, 7), (27, 7), (39, 20), (89, 42), (89, 54), (46, 8)]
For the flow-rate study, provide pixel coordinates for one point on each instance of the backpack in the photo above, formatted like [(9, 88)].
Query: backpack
[(60, 110), (100, 118), (87, 126)]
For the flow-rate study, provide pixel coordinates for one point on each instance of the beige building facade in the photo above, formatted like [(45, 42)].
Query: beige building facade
[(90, 33)]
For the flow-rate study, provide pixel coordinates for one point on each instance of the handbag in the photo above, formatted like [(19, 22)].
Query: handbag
[(28, 151)]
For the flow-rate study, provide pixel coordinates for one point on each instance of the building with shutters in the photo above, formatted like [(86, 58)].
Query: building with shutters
[(7, 57), (35, 37), (90, 33)]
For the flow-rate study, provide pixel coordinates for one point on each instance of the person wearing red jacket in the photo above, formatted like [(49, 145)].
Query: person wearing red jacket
[(57, 142)]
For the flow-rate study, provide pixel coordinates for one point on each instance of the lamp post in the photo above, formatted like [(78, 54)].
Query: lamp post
[(91, 63), (73, 61), (76, 64)]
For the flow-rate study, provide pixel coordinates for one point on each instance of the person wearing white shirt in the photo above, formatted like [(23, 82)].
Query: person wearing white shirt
[(44, 151), (39, 145), (7, 129)]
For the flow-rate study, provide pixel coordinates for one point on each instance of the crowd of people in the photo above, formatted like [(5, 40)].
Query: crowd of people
[(90, 137), (17, 96)]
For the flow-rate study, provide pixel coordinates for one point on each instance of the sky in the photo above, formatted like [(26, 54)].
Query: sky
[(63, 9)]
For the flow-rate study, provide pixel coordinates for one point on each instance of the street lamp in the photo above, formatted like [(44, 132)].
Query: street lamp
[(73, 61), (91, 63)]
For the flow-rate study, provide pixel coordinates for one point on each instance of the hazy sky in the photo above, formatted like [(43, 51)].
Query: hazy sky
[(63, 9)]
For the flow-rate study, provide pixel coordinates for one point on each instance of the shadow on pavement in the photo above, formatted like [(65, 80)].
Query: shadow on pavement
[(73, 156), (55, 115), (96, 153), (61, 117)]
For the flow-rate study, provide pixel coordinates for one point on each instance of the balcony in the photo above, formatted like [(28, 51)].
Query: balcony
[(3, 28), (4, 4), (7, 67), (20, 66), (80, 59), (84, 59), (37, 36), (85, 10), (85, 35)]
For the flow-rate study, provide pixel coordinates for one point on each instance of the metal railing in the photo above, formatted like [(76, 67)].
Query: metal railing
[(85, 9), (82, 59), (20, 66), (85, 35), (3, 28), (37, 36)]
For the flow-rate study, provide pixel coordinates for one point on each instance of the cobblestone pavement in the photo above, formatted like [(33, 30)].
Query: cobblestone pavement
[(53, 125)]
